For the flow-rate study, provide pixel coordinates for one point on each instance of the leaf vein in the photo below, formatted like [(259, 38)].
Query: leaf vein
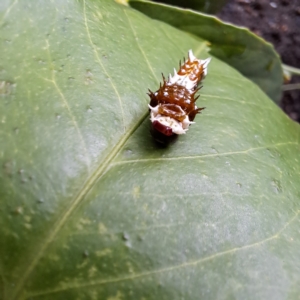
[(199, 156), (66, 104), (176, 267), (139, 46), (101, 64), (9, 9)]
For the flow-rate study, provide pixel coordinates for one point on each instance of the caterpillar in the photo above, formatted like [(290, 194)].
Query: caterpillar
[(172, 107)]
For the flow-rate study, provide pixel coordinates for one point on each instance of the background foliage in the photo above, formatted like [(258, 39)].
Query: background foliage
[(206, 6)]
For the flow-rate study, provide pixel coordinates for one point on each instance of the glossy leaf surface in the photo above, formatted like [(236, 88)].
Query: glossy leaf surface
[(92, 208)]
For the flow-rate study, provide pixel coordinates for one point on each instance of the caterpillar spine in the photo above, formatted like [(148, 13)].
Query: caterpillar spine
[(172, 106)]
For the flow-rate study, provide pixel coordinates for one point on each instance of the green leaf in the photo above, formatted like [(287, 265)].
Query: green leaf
[(207, 6), (237, 46), (92, 208)]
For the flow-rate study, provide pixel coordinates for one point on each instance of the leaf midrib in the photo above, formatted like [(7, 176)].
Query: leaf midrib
[(86, 187), (99, 172)]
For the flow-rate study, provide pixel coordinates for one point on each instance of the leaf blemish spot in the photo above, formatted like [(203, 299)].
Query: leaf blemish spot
[(276, 186), (88, 77), (7, 88), (85, 254), (125, 236)]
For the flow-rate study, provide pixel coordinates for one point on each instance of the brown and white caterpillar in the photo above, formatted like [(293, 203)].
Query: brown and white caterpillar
[(172, 106)]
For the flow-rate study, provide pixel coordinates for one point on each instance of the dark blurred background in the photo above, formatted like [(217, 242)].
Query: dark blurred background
[(278, 22)]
